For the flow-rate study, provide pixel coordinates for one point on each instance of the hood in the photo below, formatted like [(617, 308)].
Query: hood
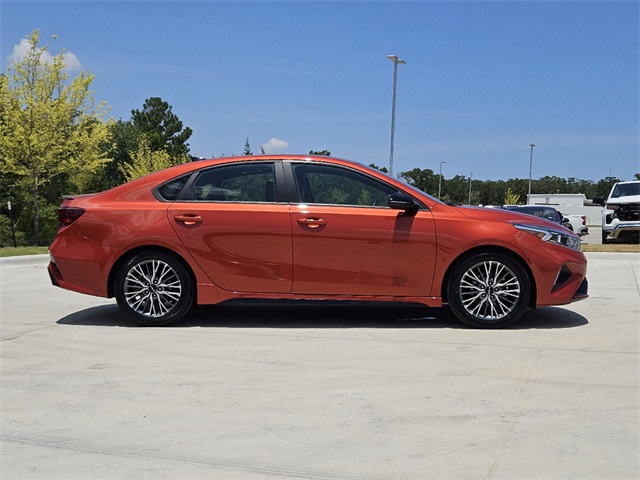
[(483, 214)]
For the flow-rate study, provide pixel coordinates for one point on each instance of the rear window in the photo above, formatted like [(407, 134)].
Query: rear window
[(170, 191)]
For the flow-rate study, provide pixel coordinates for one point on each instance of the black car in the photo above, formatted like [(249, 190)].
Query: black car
[(549, 213)]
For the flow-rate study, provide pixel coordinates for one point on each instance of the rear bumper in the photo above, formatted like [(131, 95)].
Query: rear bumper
[(78, 264), (54, 274), (86, 287)]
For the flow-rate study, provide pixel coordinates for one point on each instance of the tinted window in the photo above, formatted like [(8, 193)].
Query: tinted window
[(236, 183), (171, 189), (339, 186), (542, 212)]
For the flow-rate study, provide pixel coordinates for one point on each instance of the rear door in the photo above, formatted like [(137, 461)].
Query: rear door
[(236, 229)]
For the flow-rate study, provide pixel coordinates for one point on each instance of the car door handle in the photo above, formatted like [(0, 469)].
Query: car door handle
[(189, 219), (312, 222)]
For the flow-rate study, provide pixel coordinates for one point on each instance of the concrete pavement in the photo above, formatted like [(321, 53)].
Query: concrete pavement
[(318, 392)]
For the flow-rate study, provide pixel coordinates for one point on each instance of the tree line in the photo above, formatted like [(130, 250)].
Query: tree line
[(457, 190), (55, 140)]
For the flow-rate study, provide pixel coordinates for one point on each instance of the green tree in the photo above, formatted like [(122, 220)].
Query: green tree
[(549, 184), (145, 161), (424, 179), (511, 198), (323, 153), (604, 186), (247, 148), (125, 138), (162, 127), (457, 191), (155, 128), (50, 125), (382, 169)]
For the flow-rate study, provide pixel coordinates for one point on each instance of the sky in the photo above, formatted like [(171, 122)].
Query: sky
[(482, 80)]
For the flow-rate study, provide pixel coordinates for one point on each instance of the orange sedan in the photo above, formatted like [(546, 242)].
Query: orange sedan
[(306, 228)]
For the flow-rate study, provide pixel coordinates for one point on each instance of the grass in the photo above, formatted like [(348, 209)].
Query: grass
[(612, 247), (18, 251)]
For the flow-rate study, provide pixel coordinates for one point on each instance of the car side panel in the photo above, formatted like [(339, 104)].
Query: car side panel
[(362, 251), (458, 235), (87, 250), (241, 247)]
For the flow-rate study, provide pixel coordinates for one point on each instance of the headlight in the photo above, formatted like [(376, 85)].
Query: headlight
[(612, 210), (565, 239)]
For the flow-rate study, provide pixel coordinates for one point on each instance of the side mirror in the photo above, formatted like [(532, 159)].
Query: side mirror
[(599, 200), (401, 201)]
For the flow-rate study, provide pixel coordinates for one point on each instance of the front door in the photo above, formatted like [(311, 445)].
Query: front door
[(346, 241)]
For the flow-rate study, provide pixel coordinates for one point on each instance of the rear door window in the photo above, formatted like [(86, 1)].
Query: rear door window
[(236, 183)]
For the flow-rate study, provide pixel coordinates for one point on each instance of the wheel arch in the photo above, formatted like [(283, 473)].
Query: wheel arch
[(489, 249), (146, 249)]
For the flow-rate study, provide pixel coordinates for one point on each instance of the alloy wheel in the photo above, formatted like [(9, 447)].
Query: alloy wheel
[(489, 290), (152, 288)]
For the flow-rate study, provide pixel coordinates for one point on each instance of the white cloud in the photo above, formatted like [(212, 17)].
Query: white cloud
[(21, 50), (275, 145)]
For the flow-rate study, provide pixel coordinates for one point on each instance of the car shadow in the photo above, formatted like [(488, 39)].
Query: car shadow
[(323, 316)]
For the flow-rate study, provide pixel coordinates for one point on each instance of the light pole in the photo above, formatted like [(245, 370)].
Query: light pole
[(440, 179), (530, 170), (396, 61), (470, 177)]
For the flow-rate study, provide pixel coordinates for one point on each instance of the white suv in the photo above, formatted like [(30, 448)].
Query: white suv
[(621, 213)]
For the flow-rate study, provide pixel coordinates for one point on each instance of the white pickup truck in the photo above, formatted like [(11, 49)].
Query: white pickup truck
[(621, 213), (576, 223)]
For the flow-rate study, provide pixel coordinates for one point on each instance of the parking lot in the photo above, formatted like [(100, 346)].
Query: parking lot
[(270, 392)]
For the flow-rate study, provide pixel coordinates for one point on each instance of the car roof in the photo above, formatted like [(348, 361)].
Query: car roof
[(142, 186)]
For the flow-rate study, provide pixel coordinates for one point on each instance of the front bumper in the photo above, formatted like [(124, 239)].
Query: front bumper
[(582, 292), (620, 230)]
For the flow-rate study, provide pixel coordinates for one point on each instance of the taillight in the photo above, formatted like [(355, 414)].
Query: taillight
[(584, 219), (68, 215)]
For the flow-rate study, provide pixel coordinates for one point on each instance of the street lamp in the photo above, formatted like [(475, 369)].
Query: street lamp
[(470, 177), (440, 179), (396, 61), (530, 170)]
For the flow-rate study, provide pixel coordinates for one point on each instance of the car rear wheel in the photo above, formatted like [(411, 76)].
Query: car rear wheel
[(489, 290), (154, 288)]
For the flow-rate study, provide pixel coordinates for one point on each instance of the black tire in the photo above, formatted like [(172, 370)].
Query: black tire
[(154, 288), (489, 290), (604, 237)]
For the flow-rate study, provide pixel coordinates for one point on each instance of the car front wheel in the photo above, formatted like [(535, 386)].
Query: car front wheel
[(489, 290), (154, 288)]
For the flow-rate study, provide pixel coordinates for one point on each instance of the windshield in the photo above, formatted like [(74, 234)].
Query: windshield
[(625, 190)]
